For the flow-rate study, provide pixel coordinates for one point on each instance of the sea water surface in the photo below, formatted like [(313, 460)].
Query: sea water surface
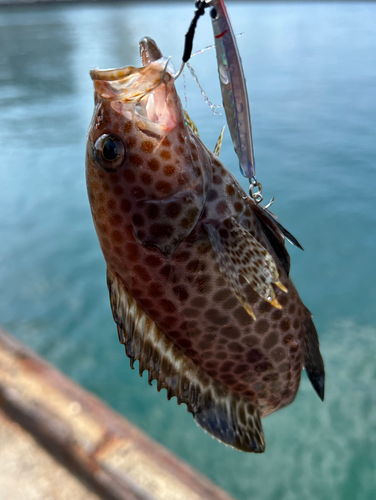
[(311, 76)]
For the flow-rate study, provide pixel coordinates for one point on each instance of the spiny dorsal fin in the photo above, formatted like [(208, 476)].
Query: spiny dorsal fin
[(274, 236), (191, 123), (217, 147), (223, 414), (229, 237), (313, 362), (275, 233)]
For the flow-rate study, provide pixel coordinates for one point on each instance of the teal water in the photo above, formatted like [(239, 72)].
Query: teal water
[(311, 74)]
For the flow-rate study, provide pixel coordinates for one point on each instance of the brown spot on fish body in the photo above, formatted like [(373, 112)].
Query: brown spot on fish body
[(152, 211), (214, 316), (270, 341), (153, 261), (118, 190), (262, 326), (169, 170), (115, 220), (138, 220), (285, 324), (254, 355), (111, 204), (230, 190), (230, 332), (241, 316), (165, 154), (277, 314), (130, 143), (221, 207), (212, 195), (125, 205), (181, 293), (238, 206), (136, 160), (153, 165), (163, 187), (128, 127), (173, 209), (138, 192), (132, 252), (147, 146), (146, 178)]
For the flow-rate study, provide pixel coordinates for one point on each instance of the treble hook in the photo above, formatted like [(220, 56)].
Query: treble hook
[(257, 196)]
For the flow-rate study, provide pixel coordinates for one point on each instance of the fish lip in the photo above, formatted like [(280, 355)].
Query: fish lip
[(149, 53), (128, 84)]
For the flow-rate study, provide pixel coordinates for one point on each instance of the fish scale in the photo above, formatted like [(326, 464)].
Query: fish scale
[(190, 306)]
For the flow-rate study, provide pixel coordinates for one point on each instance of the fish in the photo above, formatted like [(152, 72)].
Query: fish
[(197, 272), (233, 87)]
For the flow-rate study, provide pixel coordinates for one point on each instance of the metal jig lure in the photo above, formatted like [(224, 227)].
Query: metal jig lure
[(233, 87)]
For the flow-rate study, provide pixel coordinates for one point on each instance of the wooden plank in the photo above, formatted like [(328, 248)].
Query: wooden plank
[(115, 458)]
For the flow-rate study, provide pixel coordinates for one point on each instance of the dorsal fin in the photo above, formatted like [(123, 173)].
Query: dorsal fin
[(191, 123), (275, 233), (313, 362), (223, 414), (217, 147)]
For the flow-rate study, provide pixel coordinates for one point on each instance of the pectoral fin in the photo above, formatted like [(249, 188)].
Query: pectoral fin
[(238, 253)]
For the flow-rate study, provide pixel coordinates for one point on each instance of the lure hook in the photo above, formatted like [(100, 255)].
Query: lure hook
[(165, 70)]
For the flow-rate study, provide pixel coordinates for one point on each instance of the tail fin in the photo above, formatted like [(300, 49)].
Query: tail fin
[(313, 362)]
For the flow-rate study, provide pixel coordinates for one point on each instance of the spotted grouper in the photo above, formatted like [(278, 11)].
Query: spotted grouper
[(198, 273)]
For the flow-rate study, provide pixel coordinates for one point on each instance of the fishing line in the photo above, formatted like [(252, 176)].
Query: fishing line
[(185, 92), (208, 47), (211, 105)]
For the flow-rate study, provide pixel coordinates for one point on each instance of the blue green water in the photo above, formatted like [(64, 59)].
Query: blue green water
[(311, 75)]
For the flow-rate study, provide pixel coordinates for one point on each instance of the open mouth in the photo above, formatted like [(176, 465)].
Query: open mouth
[(144, 95)]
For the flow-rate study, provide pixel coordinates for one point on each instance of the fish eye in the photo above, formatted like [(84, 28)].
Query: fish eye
[(109, 152), (214, 13)]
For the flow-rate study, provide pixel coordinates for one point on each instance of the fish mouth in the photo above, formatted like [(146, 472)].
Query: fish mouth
[(145, 95)]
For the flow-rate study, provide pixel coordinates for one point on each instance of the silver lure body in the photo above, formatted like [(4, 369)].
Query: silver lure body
[(233, 87)]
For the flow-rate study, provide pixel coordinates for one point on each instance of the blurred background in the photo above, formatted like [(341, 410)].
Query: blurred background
[(311, 76)]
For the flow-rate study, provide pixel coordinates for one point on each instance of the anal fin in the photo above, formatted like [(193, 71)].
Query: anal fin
[(238, 253), (222, 413)]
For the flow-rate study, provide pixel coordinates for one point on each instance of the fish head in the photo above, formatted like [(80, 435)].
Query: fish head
[(144, 166)]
